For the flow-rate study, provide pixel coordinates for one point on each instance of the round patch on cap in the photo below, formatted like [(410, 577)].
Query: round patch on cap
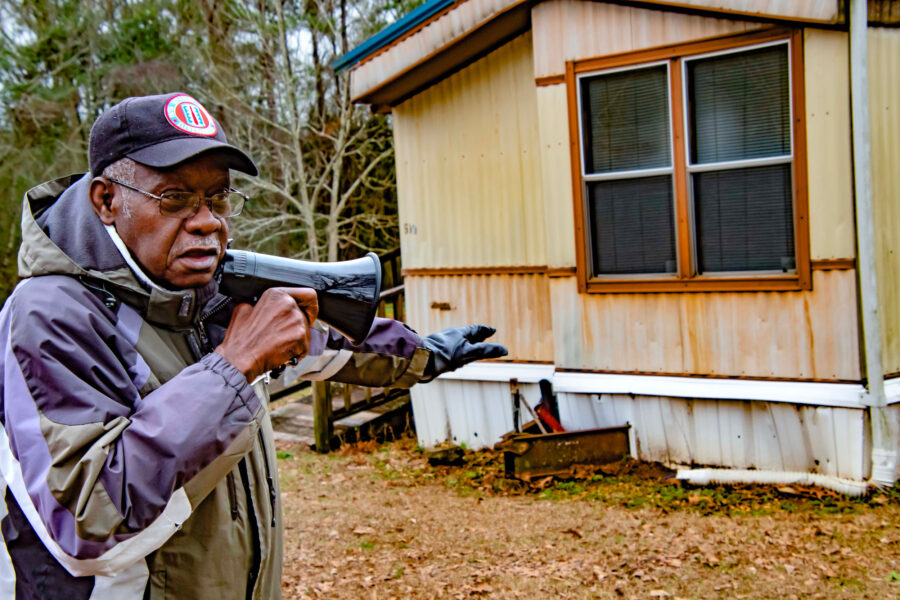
[(188, 115)]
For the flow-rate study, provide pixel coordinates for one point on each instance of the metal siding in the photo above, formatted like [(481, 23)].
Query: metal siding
[(553, 126), (793, 445), (766, 447), (681, 431), (830, 175), (792, 335), (473, 413), (518, 306), (884, 103), (468, 167), (583, 411), (465, 17), (816, 10), (567, 30), (734, 434), (471, 14), (393, 32), (677, 415), (827, 112)]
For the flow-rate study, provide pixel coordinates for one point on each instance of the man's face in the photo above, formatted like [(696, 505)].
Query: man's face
[(176, 253)]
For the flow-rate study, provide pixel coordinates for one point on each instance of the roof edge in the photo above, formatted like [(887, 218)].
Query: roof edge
[(397, 29)]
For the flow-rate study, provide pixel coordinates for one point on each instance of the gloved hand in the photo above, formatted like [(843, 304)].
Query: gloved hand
[(457, 346)]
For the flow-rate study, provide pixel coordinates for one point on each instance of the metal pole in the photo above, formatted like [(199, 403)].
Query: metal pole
[(884, 430)]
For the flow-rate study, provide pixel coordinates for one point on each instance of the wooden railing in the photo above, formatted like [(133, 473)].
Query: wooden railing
[(354, 398), (334, 401), (392, 300)]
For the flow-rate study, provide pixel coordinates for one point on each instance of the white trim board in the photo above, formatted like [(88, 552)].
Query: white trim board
[(497, 371), (892, 390), (844, 395)]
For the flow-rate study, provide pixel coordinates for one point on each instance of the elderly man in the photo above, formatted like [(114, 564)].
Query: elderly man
[(136, 452)]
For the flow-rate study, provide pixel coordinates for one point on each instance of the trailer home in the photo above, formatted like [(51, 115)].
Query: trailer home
[(685, 215)]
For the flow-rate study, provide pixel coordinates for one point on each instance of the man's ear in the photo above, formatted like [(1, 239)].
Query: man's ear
[(102, 199)]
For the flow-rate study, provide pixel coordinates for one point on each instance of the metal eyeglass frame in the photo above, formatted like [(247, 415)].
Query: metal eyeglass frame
[(200, 198)]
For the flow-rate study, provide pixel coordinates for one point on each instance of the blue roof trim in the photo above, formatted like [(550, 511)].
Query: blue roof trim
[(418, 15)]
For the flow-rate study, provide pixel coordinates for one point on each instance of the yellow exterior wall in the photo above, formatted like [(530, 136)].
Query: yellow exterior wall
[(468, 166), (559, 217), (805, 335), (884, 106), (830, 170), (790, 335), (818, 10), (518, 306), (570, 29), (484, 180)]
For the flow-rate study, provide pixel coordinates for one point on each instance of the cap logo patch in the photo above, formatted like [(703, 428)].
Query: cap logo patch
[(187, 115)]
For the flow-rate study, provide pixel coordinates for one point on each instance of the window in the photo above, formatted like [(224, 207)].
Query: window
[(691, 167)]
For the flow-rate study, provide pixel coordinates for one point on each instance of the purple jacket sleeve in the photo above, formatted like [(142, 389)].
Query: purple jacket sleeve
[(392, 355), (96, 461)]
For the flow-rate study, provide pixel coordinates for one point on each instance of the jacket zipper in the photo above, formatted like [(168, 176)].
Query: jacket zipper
[(201, 323), (216, 308), (253, 575), (269, 481)]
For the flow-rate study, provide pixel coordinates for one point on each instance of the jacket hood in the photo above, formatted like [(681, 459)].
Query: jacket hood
[(62, 235)]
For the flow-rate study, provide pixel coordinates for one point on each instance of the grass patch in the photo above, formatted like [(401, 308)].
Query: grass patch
[(632, 484)]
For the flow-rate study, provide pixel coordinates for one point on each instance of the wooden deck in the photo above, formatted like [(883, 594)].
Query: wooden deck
[(378, 418)]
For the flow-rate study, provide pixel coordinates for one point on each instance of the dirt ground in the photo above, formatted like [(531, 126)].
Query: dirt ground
[(379, 521)]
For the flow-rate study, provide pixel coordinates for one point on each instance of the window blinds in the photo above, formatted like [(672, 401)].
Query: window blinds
[(632, 225), (626, 128), (744, 219), (739, 106), (739, 110), (626, 121)]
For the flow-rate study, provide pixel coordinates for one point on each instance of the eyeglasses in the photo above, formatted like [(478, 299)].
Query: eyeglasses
[(183, 205)]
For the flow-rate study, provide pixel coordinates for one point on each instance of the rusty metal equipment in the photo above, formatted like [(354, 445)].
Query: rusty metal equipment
[(528, 455)]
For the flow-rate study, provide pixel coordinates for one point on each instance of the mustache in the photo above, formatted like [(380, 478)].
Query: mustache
[(209, 242)]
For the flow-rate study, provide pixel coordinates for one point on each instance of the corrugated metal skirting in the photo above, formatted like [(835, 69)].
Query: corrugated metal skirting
[(471, 413), (681, 431)]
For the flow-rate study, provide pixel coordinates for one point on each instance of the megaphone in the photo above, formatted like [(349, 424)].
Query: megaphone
[(348, 291)]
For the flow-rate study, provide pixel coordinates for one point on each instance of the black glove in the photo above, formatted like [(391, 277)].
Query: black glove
[(457, 346)]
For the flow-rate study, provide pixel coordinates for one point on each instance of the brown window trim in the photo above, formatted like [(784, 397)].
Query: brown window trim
[(684, 281)]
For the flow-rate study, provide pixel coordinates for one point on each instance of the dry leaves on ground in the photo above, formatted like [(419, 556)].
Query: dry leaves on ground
[(380, 522)]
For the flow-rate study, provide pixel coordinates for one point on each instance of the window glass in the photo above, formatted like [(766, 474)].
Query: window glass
[(738, 201), (744, 219), (632, 225), (739, 105), (626, 120)]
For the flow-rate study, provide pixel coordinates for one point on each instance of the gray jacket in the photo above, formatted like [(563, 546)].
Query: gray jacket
[(134, 461)]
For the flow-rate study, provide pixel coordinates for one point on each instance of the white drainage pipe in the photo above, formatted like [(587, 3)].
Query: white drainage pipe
[(732, 476)]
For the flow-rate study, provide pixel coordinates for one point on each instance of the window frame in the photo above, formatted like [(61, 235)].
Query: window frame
[(686, 278)]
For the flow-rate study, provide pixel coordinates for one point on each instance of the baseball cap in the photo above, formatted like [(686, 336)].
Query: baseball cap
[(160, 131)]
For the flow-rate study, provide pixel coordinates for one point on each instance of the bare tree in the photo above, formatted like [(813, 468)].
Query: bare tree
[(327, 184)]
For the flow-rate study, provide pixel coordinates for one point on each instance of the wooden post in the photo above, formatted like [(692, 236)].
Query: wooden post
[(322, 423), (348, 390)]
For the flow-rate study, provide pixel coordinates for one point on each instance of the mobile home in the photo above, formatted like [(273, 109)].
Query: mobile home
[(683, 214)]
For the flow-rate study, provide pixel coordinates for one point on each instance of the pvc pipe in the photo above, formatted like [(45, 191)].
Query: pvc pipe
[(732, 476), (884, 428)]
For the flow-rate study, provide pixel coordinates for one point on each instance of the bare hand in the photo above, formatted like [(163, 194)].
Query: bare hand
[(268, 334)]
